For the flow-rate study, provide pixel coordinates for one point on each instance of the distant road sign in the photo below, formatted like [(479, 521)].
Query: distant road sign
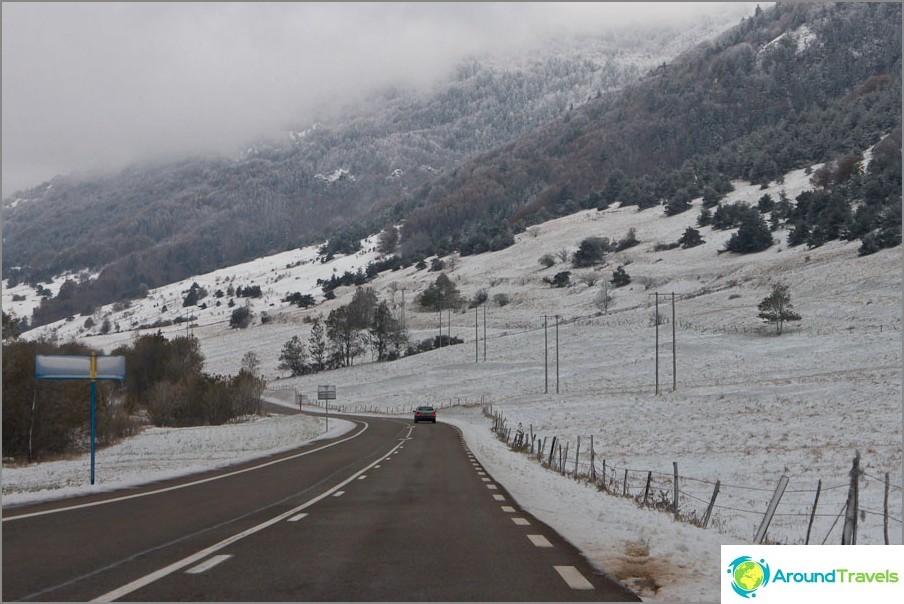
[(326, 393), (74, 367)]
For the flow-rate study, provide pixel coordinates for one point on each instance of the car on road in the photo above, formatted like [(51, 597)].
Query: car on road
[(425, 413)]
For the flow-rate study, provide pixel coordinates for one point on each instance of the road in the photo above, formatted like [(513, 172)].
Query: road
[(388, 512)]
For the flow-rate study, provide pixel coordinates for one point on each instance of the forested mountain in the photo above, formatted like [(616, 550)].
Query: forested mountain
[(789, 87), (509, 142)]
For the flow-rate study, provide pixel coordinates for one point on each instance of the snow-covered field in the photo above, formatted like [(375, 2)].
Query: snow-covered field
[(748, 407)]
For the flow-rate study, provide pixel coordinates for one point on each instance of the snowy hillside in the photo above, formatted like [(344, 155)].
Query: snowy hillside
[(749, 406)]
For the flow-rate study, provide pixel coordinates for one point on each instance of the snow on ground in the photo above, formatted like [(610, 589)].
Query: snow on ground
[(749, 407)]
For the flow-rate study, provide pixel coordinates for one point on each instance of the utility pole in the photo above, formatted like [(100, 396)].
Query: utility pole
[(656, 321), (476, 338), (545, 356), (557, 354), (484, 334), (674, 356)]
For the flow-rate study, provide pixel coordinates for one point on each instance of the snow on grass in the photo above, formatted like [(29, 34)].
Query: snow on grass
[(749, 407)]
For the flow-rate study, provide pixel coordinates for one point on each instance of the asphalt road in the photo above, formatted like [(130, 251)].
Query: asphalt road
[(388, 512)]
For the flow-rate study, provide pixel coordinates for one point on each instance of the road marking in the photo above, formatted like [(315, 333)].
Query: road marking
[(521, 521), (499, 497), (146, 580), (574, 578), (375, 467), (508, 509), (492, 487), (485, 479), (298, 517), (208, 564), (338, 493), (361, 477), (539, 540), (185, 485), (481, 473)]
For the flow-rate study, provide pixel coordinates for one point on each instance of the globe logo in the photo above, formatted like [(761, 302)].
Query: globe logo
[(748, 575)]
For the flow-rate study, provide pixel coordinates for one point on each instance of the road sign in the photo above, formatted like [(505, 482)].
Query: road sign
[(326, 393), (82, 367)]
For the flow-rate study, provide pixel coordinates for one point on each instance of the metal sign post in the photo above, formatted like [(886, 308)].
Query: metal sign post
[(80, 367), (326, 394)]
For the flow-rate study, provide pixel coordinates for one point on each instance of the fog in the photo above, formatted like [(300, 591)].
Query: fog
[(97, 86)]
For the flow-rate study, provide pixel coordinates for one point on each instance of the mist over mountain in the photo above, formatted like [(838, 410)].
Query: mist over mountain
[(510, 141)]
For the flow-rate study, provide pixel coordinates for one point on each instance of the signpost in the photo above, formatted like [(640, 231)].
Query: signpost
[(80, 367), (326, 394)]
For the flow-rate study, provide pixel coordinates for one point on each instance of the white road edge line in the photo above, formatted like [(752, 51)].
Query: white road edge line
[(188, 561), (181, 486), (573, 578), (208, 564)]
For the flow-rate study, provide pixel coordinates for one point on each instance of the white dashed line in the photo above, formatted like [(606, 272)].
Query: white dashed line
[(362, 477), (375, 467), (207, 564), (499, 497), (574, 579), (492, 487), (508, 509), (521, 521), (338, 493), (539, 540), (298, 517), (485, 479)]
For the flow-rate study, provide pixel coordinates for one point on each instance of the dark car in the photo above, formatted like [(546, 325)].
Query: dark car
[(425, 413)]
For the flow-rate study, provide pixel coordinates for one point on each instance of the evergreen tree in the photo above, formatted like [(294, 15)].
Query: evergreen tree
[(293, 356), (691, 238), (620, 277), (590, 252), (752, 236), (777, 308), (317, 345)]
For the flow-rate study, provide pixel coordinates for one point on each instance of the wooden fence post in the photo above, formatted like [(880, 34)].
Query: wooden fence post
[(712, 503), (625, 484), (577, 456), (885, 515), (552, 450), (770, 511), (593, 462), (646, 490), (813, 513), (849, 534), (675, 471)]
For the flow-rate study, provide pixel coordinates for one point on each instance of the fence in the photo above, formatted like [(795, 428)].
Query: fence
[(833, 513)]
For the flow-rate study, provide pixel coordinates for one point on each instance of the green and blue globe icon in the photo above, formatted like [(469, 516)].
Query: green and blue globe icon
[(748, 575)]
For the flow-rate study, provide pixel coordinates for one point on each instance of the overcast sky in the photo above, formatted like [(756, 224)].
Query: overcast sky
[(100, 85)]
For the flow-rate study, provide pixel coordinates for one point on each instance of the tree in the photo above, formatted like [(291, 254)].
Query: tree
[(679, 202), (386, 333), (603, 299), (620, 277), (562, 279), (752, 236), (317, 345), (251, 363), (777, 308), (547, 260), (293, 357), (441, 293), (591, 251), (388, 241), (691, 238), (344, 338), (240, 318)]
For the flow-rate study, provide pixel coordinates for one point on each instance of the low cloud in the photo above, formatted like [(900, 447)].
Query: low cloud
[(100, 85)]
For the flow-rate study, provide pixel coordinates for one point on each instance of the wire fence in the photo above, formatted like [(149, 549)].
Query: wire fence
[(867, 507)]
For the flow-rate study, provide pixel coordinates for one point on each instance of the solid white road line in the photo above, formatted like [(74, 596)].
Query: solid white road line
[(539, 540), (573, 578), (298, 517), (521, 521), (187, 484), (146, 580), (208, 564)]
